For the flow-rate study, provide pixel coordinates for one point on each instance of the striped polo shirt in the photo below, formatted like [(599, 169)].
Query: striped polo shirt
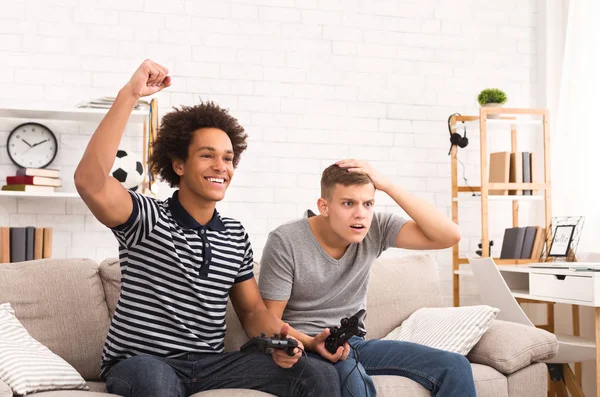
[(175, 280)]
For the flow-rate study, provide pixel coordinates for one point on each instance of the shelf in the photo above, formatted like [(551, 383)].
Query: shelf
[(498, 198), (69, 114), (39, 194), (463, 273), (492, 122), (502, 186), (465, 261), (487, 122)]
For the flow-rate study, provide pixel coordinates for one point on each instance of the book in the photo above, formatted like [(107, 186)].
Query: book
[(28, 188), (499, 170), (512, 244), (533, 168), (4, 244), (38, 244), (47, 172), (528, 241), (107, 101), (18, 245), (29, 242), (526, 172), (516, 172), (47, 246), (32, 180)]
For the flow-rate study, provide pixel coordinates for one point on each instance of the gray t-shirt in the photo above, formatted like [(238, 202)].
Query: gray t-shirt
[(320, 290)]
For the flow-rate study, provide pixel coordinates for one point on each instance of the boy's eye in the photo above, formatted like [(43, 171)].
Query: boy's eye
[(369, 204), (347, 203), (229, 159), (208, 156)]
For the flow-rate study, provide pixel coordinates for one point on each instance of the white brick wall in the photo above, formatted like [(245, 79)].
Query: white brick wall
[(312, 82)]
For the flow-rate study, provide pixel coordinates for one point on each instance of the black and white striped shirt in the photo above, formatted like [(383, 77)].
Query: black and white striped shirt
[(175, 280)]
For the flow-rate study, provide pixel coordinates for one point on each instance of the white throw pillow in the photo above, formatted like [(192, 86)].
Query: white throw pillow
[(26, 365), (455, 329)]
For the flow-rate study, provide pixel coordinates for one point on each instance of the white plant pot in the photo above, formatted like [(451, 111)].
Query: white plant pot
[(493, 105)]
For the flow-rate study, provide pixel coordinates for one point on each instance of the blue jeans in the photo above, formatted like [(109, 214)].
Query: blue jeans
[(443, 373), (149, 376)]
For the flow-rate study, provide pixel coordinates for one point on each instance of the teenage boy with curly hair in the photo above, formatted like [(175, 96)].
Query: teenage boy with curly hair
[(181, 261)]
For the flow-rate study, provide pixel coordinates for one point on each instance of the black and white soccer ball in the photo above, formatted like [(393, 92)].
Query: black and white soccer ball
[(128, 170)]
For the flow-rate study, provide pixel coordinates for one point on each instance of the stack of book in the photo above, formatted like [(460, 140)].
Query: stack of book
[(517, 167), (107, 102), (18, 244), (523, 242), (38, 180)]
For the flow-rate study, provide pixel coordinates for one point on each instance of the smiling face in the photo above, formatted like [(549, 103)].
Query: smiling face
[(349, 211), (208, 170)]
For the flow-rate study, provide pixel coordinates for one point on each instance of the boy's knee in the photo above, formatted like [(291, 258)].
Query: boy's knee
[(458, 363), (144, 376), (321, 377)]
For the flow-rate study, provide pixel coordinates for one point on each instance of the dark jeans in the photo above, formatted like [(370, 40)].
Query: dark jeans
[(443, 373), (149, 376)]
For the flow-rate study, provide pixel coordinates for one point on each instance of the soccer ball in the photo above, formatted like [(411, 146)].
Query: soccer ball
[(128, 170)]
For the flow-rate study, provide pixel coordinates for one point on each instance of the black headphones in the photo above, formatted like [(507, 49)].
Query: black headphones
[(455, 138)]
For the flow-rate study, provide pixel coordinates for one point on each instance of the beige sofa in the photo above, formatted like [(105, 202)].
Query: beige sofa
[(66, 305)]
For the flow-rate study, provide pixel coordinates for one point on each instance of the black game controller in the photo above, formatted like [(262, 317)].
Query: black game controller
[(266, 344), (348, 328)]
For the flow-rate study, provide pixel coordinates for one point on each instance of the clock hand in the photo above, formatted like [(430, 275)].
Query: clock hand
[(39, 143), (28, 144)]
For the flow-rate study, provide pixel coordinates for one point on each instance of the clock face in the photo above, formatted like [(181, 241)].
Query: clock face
[(32, 145)]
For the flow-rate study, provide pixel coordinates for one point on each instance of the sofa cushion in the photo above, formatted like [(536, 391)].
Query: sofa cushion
[(26, 365), (454, 329), (491, 383), (110, 273), (531, 381), (499, 348), (398, 287), (49, 296)]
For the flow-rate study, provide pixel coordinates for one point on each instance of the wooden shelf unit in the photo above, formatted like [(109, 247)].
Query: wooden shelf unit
[(542, 190)]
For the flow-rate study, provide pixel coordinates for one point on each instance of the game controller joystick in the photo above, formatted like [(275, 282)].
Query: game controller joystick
[(348, 328), (266, 344)]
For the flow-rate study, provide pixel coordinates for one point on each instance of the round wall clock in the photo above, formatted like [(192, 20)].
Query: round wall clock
[(32, 145)]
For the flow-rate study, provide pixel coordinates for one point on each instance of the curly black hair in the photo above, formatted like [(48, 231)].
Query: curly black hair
[(177, 131)]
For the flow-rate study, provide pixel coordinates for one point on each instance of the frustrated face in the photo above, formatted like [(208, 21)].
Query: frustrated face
[(350, 211), (209, 167)]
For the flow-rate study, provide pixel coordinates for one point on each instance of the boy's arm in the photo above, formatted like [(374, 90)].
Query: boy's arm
[(255, 318), (251, 310), (312, 343), (108, 200), (429, 229)]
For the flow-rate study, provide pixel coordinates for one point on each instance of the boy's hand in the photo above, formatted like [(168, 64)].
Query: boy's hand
[(379, 180), (148, 79), (281, 357), (318, 346)]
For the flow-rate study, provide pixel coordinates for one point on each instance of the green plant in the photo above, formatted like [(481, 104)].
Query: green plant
[(491, 95)]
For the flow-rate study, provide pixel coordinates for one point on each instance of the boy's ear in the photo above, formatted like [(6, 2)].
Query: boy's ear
[(323, 206), (177, 166)]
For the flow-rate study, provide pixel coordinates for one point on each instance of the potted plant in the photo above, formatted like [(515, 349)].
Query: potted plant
[(492, 97)]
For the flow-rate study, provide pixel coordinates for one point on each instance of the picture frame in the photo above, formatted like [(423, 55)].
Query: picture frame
[(560, 253), (561, 240)]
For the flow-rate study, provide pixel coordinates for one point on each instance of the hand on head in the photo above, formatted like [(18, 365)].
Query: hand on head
[(379, 180)]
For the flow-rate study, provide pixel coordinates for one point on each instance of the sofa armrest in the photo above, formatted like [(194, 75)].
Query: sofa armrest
[(509, 347), (5, 391)]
